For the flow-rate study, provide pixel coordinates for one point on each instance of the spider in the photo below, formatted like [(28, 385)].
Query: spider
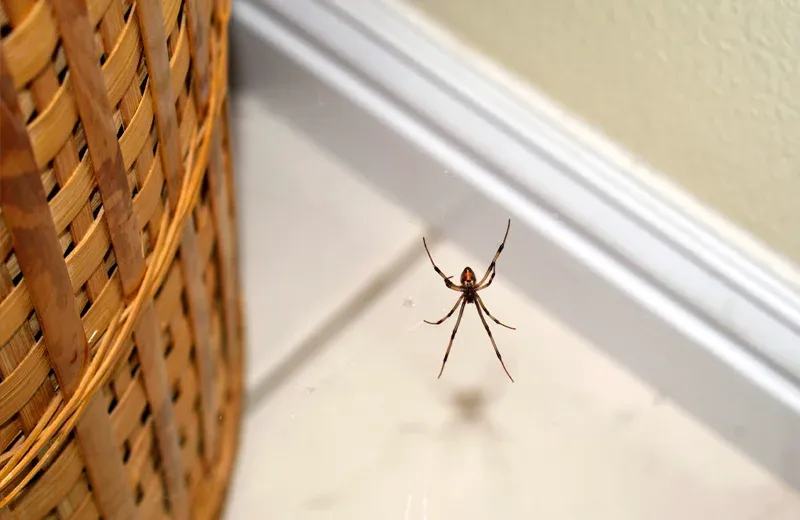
[(469, 294)]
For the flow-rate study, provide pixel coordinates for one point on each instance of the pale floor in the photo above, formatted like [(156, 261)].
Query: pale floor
[(348, 421)]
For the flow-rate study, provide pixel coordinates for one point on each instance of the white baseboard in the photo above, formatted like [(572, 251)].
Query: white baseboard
[(709, 317)]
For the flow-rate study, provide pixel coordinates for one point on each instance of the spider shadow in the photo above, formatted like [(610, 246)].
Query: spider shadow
[(470, 430), (470, 413)]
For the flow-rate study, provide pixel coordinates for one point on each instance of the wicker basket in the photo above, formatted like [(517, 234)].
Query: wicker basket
[(120, 322)]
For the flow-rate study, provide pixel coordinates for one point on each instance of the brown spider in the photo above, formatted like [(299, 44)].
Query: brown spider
[(469, 294)]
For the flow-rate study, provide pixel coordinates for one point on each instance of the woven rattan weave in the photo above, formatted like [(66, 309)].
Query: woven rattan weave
[(120, 321)]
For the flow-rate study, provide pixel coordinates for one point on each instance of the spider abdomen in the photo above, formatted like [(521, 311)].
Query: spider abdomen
[(467, 277)]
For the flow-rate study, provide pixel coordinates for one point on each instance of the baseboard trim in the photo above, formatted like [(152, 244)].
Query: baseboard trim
[(733, 305)]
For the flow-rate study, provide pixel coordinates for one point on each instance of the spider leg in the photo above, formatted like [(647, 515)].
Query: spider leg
[(497, 255), (447, 282), (448, 314), (487, 284), (483, 305), (452, 336), (489, 332)]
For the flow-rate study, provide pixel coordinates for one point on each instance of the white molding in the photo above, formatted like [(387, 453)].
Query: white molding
[(559, 180)]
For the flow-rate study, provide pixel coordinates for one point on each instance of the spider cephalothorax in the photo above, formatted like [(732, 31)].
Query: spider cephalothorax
[(469, 294)]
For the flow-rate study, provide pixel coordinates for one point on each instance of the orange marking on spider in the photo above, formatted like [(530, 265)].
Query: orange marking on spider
[(469, 294), (467, 276)]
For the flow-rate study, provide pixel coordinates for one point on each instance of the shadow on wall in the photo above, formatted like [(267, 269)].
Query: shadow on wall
[(402, 172)]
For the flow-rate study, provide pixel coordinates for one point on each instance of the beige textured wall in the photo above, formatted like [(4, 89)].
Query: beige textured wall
[(706, 91)]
